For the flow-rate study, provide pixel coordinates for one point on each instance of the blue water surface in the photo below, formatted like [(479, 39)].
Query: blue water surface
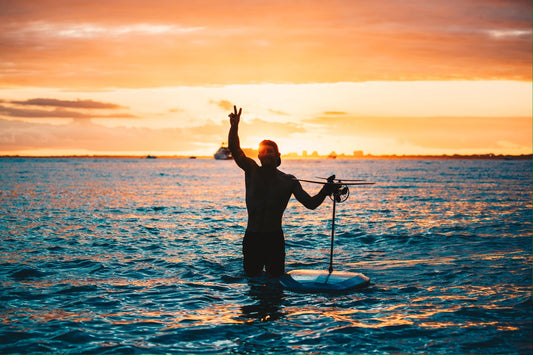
[(144, 256)]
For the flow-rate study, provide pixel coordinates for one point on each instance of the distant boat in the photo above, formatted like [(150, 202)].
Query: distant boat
[(223, 153), (150, 157), (332, 155)]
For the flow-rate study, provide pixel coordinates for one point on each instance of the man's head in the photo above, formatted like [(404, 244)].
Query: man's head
[(269, 154)]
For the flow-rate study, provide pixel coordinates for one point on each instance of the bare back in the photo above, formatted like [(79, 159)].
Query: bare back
[(267, 193)]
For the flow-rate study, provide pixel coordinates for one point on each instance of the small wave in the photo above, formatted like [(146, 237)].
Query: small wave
[(27, 273), (75, 337), (68, 289), (147, 267)]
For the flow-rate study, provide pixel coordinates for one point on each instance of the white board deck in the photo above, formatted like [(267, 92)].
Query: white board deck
[(323, 281)]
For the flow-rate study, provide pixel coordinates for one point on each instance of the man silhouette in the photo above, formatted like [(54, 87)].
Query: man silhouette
[(268, 191)]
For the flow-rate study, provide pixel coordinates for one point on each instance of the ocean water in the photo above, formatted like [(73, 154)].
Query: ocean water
[(144, 256)]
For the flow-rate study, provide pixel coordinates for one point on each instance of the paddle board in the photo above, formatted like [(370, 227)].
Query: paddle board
[(323, 281)]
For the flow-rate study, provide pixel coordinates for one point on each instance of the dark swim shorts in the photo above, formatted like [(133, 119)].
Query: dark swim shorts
[(264, 249)]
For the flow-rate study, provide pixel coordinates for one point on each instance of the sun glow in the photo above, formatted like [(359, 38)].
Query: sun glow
[(374, 117), (413, 78)]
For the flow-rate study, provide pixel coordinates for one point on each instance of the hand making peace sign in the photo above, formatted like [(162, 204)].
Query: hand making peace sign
[(235, 116)]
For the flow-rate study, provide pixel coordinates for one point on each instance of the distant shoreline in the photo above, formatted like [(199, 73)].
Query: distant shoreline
[(290, 157)]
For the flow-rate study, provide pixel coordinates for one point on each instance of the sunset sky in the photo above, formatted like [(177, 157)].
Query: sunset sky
[(160, 77)]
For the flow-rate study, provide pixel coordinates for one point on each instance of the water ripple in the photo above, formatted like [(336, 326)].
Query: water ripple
[(136, 256)]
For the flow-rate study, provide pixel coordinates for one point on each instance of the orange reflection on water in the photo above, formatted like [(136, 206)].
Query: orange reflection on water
[(353, 318), (468, 324), (109, 284), (218, 314), (383, 316), (387, 264), (43, 316)]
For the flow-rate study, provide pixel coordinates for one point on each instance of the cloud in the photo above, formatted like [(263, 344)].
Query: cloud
[(259, 127), (54, 108), (18, 135), (93, 31), (84, 104), (56, 113), (450, 133), (278, 112), (223, 104), (166, 43), (335, 113)]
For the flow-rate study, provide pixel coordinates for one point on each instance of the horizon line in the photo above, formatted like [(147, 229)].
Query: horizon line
[(289, 156)]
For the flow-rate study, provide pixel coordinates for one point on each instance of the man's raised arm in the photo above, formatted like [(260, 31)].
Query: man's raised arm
[(234, 143)]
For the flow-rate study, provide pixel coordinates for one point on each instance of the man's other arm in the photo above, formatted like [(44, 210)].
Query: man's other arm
[(309, 201)]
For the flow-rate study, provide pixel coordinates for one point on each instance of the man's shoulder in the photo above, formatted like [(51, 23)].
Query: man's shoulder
[(245, 163), (286, 176)]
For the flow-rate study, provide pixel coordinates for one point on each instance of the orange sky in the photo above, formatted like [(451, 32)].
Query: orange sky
[(386, 77)]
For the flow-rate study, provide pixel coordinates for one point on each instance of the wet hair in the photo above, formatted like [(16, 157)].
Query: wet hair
[(273, 145)]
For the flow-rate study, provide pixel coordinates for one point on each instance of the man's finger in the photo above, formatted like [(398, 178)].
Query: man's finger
[(240, 110), (235, 109)]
